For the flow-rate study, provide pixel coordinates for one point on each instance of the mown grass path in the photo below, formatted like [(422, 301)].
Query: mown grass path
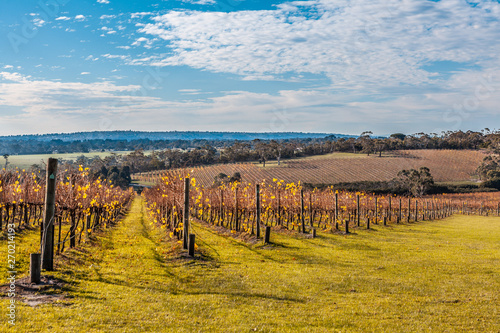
[(434, 276)]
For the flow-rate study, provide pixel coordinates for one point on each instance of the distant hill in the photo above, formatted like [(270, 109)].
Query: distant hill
[(172, 135)]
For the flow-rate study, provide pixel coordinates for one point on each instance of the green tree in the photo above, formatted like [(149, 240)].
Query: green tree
[(6, 156), (416, 182)]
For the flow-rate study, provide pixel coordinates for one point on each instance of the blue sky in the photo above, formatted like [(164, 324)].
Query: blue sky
[(234, 65)]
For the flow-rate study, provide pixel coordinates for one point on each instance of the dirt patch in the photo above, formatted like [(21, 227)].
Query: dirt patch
[(47, 291)]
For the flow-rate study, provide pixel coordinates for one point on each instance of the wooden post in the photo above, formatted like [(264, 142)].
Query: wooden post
[(358, 212), (236, 219), (336, 210), (409, 208), (314, 233), (400, 203), (310, 211), (257, 202), (192, 238), (346, 224), (26, 220), (221, 209), (87, 225), (48, 218), (72, 236), (35, 268), (302, 219), (267, 235), (367, 223), (389, 214), (59, 219), (416, 211), (376, 210), (186, 214), (278, 197), (385, 220)]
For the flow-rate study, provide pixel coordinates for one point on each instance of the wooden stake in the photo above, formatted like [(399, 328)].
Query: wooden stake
[(267, 235), (192, 238), (186, 214), (257, 203), (48, 219), (35, 268), (302, 219)]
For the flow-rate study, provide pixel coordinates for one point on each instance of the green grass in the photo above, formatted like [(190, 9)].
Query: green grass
[(26, 161), (140, 182), (433, 276)]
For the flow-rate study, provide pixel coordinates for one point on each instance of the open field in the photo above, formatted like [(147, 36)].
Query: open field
[(445, 166), (433, 276), (25, 161)]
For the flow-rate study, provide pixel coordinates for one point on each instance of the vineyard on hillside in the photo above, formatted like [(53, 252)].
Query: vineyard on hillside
[(82, 204), (244, 207), (445, 166)]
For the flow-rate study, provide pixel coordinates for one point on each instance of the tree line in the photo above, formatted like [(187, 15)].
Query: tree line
[(245, 150)]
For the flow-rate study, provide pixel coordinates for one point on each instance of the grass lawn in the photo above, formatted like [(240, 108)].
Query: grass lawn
[(25, 161), (433, 276)]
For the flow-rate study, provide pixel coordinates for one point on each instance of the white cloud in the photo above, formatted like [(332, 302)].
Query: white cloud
[(103, 1), (146, 42), (63, 18), (200, 2), (84, 73), (80, 18), (8, 67), (40, 105), (355, 44), (38, 22), (115, 56), (107, 17), (140, 14)]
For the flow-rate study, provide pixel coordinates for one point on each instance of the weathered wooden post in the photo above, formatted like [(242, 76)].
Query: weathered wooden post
[(389, 214), (59, 219), (257, 202), (302, 218), (236, 217), (385, 220), (358, 212), (416, 210), (72, 235), (192, 238), (310, 210), (87, 225), (221, 209), (35, 268), (336, 211), (376, 210), (186, 214), (278, 197), (367, 223), (346, 223), (267, 235), (409, 208), (400, 210), (48, 216)]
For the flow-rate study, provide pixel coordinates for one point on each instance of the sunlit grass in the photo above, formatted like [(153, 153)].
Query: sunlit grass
[(432, 276)]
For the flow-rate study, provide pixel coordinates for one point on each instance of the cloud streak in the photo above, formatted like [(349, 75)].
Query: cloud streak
[(351, 42)]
